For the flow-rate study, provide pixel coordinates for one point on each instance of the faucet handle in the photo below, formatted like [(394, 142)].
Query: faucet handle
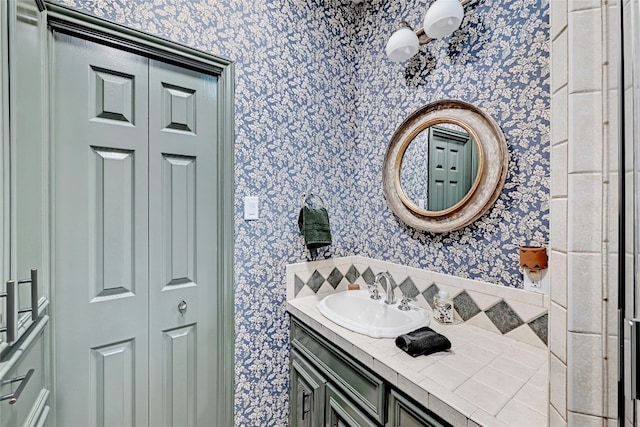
[(404, 302), (373, 291)]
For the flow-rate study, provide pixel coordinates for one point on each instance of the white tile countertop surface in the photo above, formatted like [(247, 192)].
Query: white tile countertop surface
[(485, 379)]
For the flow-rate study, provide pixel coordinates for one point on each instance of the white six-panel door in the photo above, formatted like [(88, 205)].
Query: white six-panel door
[(134, 240)]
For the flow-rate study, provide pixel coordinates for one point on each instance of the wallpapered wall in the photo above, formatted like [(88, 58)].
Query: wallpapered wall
[(316, 104), (498, 60)]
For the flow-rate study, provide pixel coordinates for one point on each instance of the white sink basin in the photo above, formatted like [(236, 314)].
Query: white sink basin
[(356, 311)]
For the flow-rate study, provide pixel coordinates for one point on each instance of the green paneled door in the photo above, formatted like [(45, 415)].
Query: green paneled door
[(182, 245), (453, 166), (135, 256)]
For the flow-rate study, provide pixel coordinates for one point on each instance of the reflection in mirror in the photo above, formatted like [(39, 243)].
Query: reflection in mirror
[(439, 167), (445, 166)]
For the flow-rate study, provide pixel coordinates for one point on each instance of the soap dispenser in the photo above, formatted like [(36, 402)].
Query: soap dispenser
[(443, 307)]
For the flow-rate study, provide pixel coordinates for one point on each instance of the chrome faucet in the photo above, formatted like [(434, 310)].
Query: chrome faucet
[(388, 288)]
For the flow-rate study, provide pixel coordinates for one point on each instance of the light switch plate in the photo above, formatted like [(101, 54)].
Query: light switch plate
[(251, 208)]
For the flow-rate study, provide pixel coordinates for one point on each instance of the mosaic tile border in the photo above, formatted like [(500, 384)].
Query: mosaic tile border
[(519, 314)]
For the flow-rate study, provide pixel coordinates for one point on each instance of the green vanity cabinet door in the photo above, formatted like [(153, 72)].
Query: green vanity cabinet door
[(306, 399), (346, 374), (330, 388), (341, 412), (403, 413)]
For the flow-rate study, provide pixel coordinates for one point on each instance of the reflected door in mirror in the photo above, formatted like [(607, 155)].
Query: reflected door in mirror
[(453, 166), (439, 167)]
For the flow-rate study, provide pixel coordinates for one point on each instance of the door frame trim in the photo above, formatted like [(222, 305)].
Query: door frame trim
[(64, 19)]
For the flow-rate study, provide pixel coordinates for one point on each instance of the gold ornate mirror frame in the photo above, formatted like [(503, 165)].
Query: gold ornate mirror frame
[(489, 181)]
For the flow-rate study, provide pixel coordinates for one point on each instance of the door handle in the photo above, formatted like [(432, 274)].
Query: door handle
[(182, 307), (305, 411), (635, 353), (11, 303), (24, 379), (33, 280)]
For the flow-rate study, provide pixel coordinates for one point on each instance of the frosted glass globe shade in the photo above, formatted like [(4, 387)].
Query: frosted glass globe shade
[(443, 18), (402, 45)]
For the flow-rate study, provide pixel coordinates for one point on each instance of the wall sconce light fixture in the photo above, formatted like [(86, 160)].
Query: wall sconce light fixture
[(442, 18)]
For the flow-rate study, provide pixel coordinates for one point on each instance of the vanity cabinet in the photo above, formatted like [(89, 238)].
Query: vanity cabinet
[(329, 387), (307, 393)]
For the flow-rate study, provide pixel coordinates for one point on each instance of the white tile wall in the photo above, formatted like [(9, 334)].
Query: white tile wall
[(581, 266), (558, 271), (585, 299), (559, 73), (575, 5), (558, 227), (558, 387), (558, 18), (559, 159), (585, 130), (585, 48), (558, 331), (585, 376), (611, 409), (584, 420), (584, 228)]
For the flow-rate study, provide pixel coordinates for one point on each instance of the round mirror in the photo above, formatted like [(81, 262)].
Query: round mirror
[(445, 166), (438, 169)]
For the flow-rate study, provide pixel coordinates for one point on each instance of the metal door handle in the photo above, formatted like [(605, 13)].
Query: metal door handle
[(33, 280), (635, 353), (305, 411), (11, 304), (13, 397)]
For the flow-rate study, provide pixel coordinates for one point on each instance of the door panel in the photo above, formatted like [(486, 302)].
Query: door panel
[(100, 199), (179, 181), (111, 223), (451, 164), (112, 373), (182, 247), (179, 376)]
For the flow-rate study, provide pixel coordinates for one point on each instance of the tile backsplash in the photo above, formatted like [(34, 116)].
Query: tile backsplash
[(519, 314)]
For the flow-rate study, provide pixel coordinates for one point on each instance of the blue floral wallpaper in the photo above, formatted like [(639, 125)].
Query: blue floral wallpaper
[(316, 103), (499, 61)]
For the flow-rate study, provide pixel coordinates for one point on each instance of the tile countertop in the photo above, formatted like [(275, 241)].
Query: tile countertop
[(485, 380)]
